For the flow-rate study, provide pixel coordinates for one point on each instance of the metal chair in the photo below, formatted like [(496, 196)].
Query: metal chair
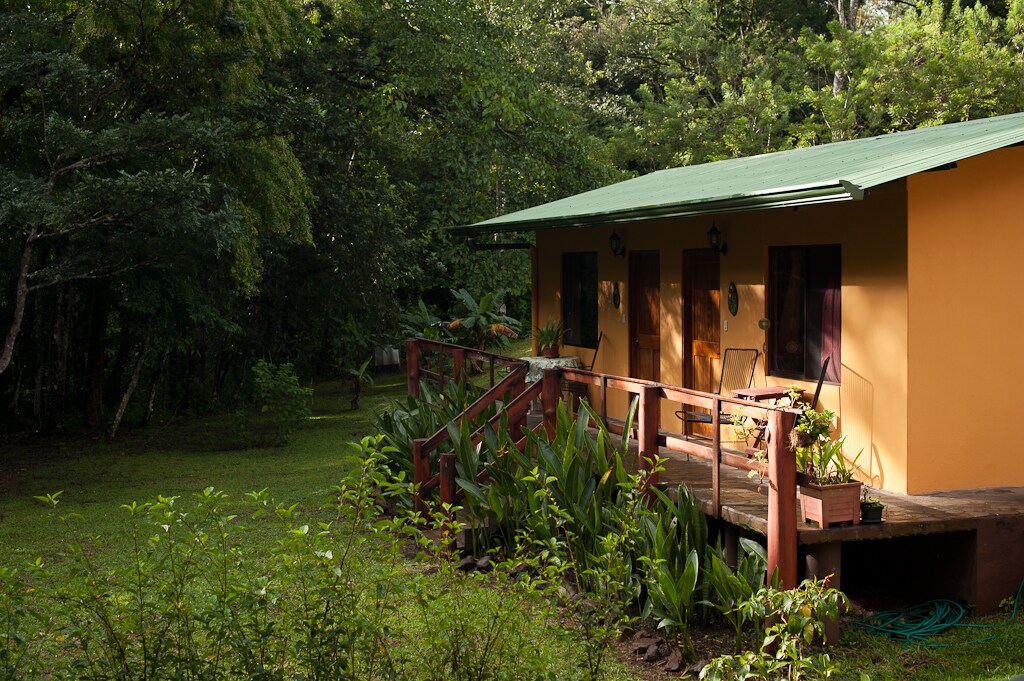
[(762, 424), (593, 359), (574, 390), (737, 372)]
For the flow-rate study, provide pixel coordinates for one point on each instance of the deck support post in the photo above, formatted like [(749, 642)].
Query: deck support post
[(446, 490), (649, 416), (731, 539), (518, 388), (716, 462), (412, 366), (823, 560), (420, 475), (458, 364), (782, 550), (551, 383)]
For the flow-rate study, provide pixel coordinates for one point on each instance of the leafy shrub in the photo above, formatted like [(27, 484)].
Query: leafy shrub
[(419, 322), (797, 618), (420, 417), (192, 598), (573, 493), (281, 405), (481, 324), (733, 588)]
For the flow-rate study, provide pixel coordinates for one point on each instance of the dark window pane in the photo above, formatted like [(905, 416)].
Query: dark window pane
[(787, 267), (579, 298), (805, 309)]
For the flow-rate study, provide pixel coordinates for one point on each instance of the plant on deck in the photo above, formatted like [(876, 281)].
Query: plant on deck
[(817, 454), (549, 336)]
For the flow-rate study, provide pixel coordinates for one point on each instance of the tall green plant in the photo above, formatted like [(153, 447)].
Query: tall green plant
[(733, 588), (480, 323)]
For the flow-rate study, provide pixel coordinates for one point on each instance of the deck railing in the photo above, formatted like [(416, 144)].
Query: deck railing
[(514, 396)]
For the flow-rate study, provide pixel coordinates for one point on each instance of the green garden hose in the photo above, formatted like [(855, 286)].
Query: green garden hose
[(918, 623)]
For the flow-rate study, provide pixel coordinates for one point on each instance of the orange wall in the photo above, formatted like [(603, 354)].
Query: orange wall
[(966, 236), (871, 402)]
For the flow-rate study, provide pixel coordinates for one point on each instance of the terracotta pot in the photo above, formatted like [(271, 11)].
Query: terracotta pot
[(831, 504), (871, 513), (550, 352)]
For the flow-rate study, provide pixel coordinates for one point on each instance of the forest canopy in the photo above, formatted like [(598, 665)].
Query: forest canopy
[(190, 186)]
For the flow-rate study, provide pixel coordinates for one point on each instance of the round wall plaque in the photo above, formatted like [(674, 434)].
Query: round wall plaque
[(734, 299)]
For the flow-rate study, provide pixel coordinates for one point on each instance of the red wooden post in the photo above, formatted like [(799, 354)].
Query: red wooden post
[(518, 386), (551, 382), (459, 362), (420, 474), (782, 549), (492, 370), (447, 481), (604, 399), (716, 465), (649, 414), (412, 366), (447, 494)]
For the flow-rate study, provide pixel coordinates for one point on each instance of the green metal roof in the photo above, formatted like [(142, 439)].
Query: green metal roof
[(829, 172)]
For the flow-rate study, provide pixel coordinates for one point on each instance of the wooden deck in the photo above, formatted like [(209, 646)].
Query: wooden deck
[(744, 505)]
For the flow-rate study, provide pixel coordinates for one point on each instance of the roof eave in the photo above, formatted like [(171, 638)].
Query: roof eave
[(840, 191)]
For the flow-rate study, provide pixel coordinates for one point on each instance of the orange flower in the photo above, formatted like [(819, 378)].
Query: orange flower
[(455, 325)]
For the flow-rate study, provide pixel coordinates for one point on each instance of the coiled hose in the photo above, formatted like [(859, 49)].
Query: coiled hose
[(918, 623)]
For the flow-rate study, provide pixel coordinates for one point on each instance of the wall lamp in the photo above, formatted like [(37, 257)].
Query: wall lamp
[(615, 243), (715, 242)]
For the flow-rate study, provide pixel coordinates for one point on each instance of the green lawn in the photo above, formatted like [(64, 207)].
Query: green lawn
[(188, 456), (178, 459)]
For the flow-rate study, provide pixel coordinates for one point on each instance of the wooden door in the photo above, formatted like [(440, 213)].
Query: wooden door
[(702, 348), (645, 315)]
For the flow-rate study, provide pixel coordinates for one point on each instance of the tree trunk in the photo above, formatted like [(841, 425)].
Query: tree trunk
[(97, 361), (157, 380), (60, 371), (847, 12), (128, 391), (20, 296), (115, 376)]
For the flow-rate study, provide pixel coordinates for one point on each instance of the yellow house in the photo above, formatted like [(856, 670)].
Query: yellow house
[(898, 257)]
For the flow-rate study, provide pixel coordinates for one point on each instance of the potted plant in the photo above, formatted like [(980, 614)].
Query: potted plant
[(870, 509), (828, 492), (549, 338)]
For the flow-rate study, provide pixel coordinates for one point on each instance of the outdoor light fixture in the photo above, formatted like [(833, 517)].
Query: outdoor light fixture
[(615, 243), (715, 241)]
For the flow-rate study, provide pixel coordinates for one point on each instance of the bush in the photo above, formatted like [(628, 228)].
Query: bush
[(795, 619), (193, 596), (281, 405)]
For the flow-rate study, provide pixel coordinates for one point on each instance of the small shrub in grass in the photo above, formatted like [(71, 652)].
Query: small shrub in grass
[(790, 620), (281, 404)]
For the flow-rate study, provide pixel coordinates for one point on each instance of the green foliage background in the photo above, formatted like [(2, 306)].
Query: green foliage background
[(189, 186)]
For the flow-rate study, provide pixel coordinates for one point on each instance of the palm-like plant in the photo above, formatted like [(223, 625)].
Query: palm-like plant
[(480, 323)]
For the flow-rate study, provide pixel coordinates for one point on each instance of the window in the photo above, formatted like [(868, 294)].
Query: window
[(805, 309), (579, 299)]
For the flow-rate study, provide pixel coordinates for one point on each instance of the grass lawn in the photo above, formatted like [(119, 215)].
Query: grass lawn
[(185, 457), (177, 459)]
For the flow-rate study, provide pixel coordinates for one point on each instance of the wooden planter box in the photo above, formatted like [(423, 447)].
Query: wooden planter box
[(830, 504)]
